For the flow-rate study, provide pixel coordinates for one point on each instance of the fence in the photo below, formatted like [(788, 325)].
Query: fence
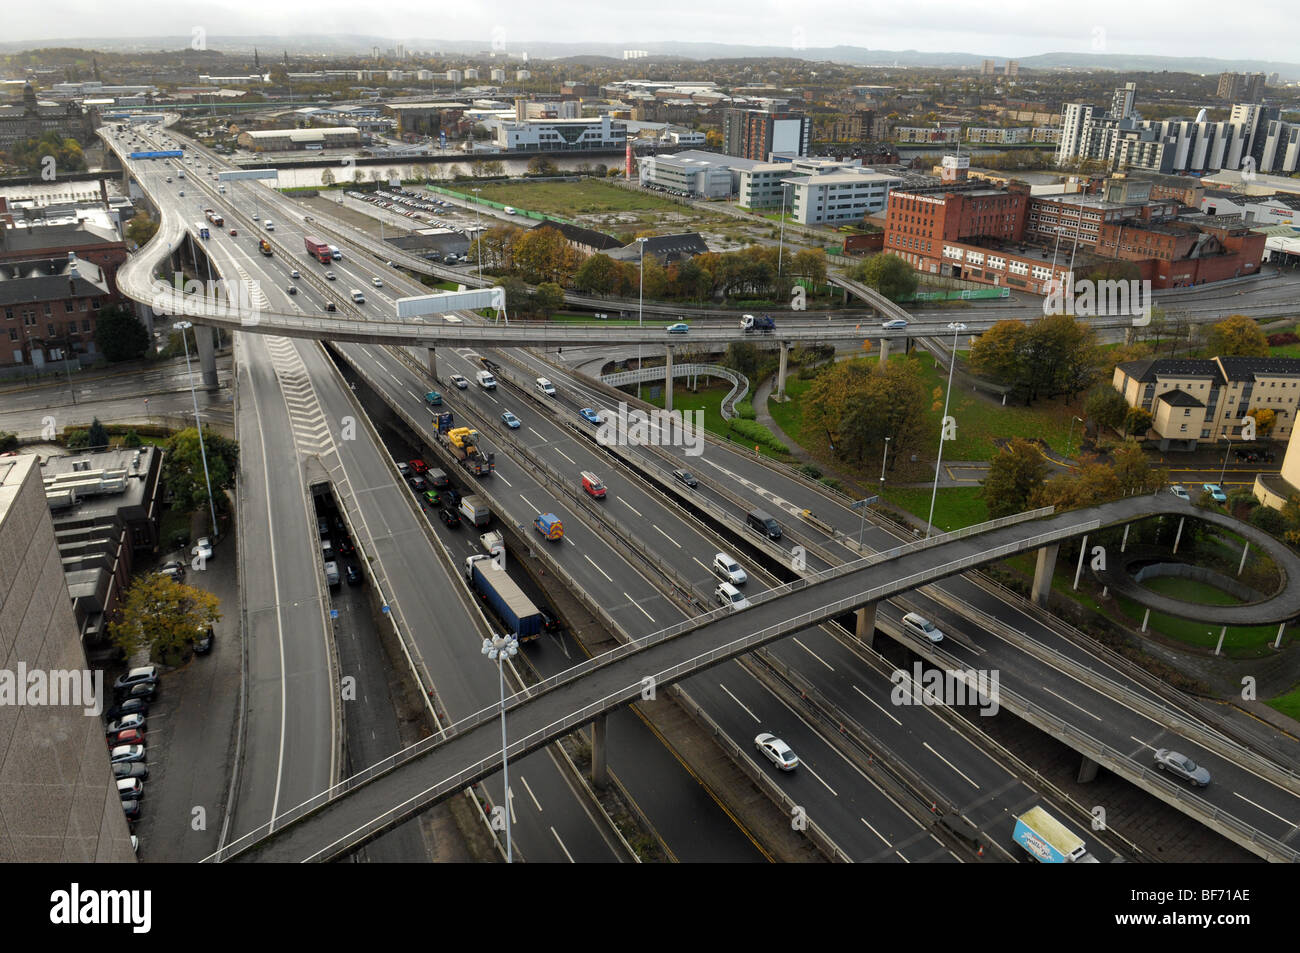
[(739, 382)]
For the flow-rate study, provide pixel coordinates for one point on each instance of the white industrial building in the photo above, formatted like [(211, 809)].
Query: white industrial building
[(837, 198), (560, 135)]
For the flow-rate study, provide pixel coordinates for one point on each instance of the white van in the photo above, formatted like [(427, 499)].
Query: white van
[(546, 387), (486, 380), (357, 296), (508, 210), (269, 225)]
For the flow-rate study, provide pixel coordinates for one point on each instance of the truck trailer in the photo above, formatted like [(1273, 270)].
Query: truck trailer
[(503, 595), (1049, 841)]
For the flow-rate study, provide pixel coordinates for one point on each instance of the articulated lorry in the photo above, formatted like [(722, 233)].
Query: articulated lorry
[(264, 247), (462, 443), (503, 595), (318, 249), (1049, 841)]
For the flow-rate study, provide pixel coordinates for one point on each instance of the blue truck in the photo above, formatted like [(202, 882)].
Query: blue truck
[(503, 595), (763, 323)]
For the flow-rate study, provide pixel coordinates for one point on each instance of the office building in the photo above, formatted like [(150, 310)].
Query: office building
[(561, 135), (757, 134)]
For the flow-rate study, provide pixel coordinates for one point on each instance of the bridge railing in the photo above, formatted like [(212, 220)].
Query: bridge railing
[(739, 382)]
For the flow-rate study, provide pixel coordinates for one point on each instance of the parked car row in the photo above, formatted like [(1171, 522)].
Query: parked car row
[(124, 731)]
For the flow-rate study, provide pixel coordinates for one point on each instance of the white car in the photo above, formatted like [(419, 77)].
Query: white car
[(1179, 491), (776, 751), (729, 570), (203, 548), (920, 625), (459, 381), (376, 282), (728, 595)]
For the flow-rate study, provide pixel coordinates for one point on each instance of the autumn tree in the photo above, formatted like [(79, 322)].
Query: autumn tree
[(162, 616), (141, 228), (858, 405), (1264, 419), (1089, 485), (1237, 336), (597, 274), (1137, 421), (1133, 469), (543, 254), (890, 275), (1014, 476), (1106, 407)]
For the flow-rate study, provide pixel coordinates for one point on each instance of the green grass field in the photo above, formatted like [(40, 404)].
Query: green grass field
[(1189, 590), (954, 507), (708, 399), (1288, 704), (1240, 640)]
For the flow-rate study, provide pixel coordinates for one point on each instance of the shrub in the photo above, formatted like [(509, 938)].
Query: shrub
[(1283, 339), (811, 471), (76, 439), (745, 410), (755, 432), (8, 441)]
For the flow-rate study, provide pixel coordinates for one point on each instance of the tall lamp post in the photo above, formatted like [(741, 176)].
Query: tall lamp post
[(499, 648), (640, 312), (956, 327), (183, 326), (1069, 442), (1224, 471), (780, 247), (478, 234)]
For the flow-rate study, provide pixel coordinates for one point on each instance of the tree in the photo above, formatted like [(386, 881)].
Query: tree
[(119, 336), (543, 254), (540, 165), (97, 436), (1137, 421), (1106, 407), (1264, 419), (516, 292), (1015, 475), (183, 466), (857, 405), (327, 178), (162, 616), (596, 274), (141, 228), (548, 298), (1237, 336), (1134, 471), (1092, 484), (810, 263), (888, 274)]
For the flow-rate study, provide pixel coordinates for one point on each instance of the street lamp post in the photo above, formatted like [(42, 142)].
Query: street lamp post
[(956, 327), (780, 248), (640, 309), (184, 326), (499, 648), (1224, 471), (478, 234), (1069, 441), (883, 461)]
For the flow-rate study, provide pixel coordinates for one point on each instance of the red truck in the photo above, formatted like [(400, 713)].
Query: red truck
[(318, 250)]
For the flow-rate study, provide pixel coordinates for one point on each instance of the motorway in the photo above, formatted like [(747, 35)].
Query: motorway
[(672, 535)]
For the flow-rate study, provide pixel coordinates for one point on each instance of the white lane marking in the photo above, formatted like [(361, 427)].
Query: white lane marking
[(951, 765), (883, 710), (874, 831), (1284, 820), (1070, 703), (526, 503), (902, 858), (702, 566), (566, 456), (562, 847), (631, 507), (667, 537), (740, 703), (597, 568), (535, 433), (503, 479), (804, 764), (638, 605), (510, 800), (813, 654)]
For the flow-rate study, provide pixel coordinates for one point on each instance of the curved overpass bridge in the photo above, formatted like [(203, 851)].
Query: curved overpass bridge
[(339, 821)]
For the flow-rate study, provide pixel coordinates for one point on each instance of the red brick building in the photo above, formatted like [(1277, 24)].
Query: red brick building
[(1178, 253), (48, 307), (99, 246)]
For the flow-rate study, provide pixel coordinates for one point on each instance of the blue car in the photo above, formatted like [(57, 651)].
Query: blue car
[(589, 415), (510, 420), (1215, 491), (678, 328)]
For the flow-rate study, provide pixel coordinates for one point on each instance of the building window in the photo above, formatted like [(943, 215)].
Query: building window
[(67, 306)]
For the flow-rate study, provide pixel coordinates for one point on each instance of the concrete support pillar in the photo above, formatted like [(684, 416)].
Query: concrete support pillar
[(1146, 617), (1277, 643), (1128, 334), (668, 379), (1244, 551), (1078, 571), (599, 750), (1124, 542), (866, 628), (1179, 535), (203, 337), (884, 351), (1043, 573), (1218, 649), (433, 363), (781, 371), (1087, 771)]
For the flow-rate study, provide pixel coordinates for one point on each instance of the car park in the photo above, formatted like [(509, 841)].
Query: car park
[(679, 328), (1215, 492), (1179, 491), (589, 415), (459, 381), (131, 706), (729, 570), (919, 625), (686, 477), (510, 420), (146, 691), (894, 324), (1182, 766), (126, 754), (776, 751)]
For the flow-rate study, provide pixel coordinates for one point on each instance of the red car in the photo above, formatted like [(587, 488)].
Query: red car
[(419, 466), (131, 736), (234, 231)]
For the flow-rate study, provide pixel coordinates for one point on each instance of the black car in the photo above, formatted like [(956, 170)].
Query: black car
[(132, 706), (685, 476), (345, 546), (131, 808), (130, 769), (354, 575), (450, 496), (549, 620), (203, 644), (418, 483), (450, 517)]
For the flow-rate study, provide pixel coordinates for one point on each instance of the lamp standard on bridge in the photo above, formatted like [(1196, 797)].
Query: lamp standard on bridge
[(640, 307), (499, 648), (183, 326), (1069, 442), (956, 327)]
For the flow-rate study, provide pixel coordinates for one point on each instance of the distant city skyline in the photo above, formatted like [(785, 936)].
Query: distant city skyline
[(1015, 29)]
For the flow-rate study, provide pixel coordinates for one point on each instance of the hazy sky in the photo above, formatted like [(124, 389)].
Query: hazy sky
[(1263, 29)]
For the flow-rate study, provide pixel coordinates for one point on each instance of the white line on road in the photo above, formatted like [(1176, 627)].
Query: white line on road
[(638, 605), (631, 507), (1070, 703), (740, 703), (667, 537), (539, 436), (524, 782), (566, 456), (950, 764), (503, 479), (526, 503), (874, 831), (597, 568), (1285, 820), (562, 847), (804, 764), (884, 711), (813, 654)]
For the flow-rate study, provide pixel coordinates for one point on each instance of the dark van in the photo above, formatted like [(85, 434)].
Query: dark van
[(764, 523)]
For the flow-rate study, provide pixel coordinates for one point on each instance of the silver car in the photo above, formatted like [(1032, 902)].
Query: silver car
[(1183, 766), (776, 751)]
